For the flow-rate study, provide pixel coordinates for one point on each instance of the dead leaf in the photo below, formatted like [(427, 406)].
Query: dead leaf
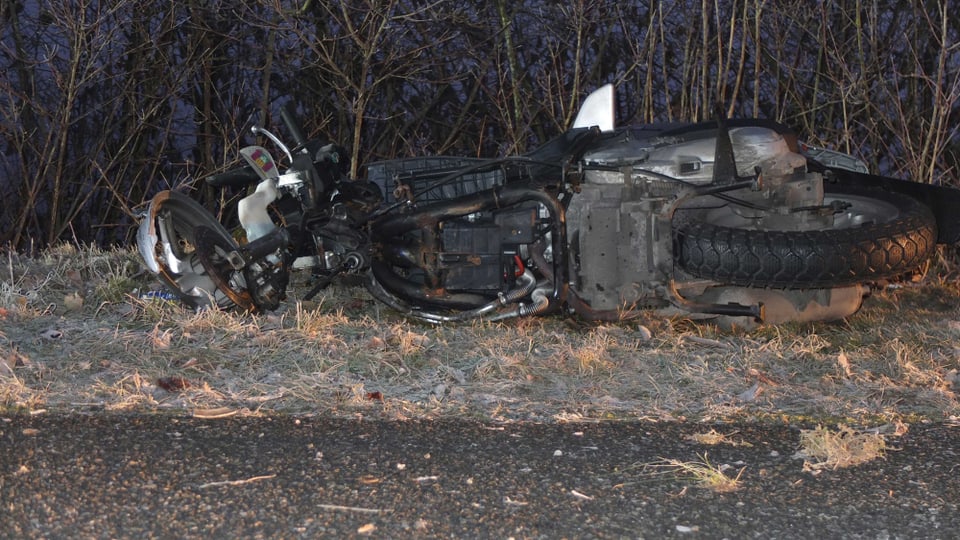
[(763, 377), (844, 364), (750, 394), (457, 374), (13, 360), (369, 528), (75, 277), (73, 301), (161, 340), (376, 343), (644, 333), (192, 361), (30, 432), (173, 384), (951, 378)]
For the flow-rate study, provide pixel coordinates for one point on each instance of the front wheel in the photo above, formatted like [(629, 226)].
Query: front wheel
[(880, 234), (186, 248)]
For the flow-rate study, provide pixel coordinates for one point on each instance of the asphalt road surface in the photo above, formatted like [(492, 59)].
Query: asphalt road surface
[(120, 476)]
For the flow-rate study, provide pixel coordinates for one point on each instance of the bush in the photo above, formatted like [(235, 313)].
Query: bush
[(105, 103)]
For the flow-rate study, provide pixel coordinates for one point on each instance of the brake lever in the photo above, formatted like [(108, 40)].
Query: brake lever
[(257, 130)]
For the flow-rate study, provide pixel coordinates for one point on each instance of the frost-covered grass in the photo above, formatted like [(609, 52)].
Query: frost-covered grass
[(74, 334)]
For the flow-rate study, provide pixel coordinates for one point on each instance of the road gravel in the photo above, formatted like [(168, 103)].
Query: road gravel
[(69, 475)]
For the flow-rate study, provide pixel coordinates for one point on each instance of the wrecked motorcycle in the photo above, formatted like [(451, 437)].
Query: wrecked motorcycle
[(731, 219)]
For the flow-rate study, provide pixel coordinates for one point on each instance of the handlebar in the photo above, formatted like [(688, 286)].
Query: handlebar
[(290, 119), (245, 176), (235, 178)]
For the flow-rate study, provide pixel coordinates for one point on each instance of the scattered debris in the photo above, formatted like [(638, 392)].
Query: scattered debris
[(706, 342), (644, 333), (714, 437), (356, 509), (750, 394), (822, 448), (844, 364), (702, 472), (238, 482), (423, 479), (173, 384), (579, 495), (220, 412), (52, 334), (73, 302)]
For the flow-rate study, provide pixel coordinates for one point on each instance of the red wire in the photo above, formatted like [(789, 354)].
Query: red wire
[(520, 267)]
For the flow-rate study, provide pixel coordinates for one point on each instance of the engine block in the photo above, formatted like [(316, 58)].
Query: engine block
[(619, 247)]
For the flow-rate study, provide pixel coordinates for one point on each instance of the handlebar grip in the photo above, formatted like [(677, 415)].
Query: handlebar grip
[(290, 119), (234, 178)]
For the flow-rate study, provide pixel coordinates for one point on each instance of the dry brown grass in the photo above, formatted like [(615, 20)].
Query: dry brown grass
[(701, 473), (823, 448), (73, 333), (714, 437)]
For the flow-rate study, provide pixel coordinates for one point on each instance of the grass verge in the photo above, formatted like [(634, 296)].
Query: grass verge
[(74, 333)]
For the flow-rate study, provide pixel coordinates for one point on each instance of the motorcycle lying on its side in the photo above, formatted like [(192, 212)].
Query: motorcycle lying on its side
[(732, 219)]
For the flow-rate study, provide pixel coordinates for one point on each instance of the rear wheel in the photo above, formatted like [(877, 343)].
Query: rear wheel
[(880, 234), (186, 247)]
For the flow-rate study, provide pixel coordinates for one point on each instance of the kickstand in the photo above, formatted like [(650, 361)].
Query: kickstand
[(319, 286)]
